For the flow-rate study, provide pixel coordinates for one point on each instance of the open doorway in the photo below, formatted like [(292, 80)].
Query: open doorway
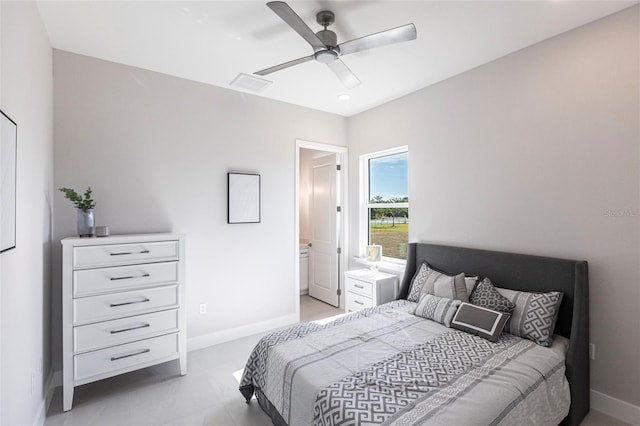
[(321, 228)]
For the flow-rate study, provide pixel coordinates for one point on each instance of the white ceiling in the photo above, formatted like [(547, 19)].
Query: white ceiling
[(213, 41)]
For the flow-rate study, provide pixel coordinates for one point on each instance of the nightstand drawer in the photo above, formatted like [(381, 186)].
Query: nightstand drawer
[(355, 302), (122, 304), (123, 254), (110, 360), (124, 330), (101, 280), (362, 288)]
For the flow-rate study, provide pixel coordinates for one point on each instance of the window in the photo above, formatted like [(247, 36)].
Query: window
[(385, 202)]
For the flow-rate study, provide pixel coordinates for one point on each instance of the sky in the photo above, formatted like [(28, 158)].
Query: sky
[(388, 176)]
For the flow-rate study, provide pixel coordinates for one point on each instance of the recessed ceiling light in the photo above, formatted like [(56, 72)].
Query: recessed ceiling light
[(344, 97)]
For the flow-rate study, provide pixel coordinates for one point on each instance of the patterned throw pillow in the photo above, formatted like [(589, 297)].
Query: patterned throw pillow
[(534, 316), (436, 308), (480, 321), (429, 281), (486, 295)]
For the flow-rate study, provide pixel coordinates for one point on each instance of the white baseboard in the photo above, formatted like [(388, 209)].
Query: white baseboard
[(614, 407), (49, 388), (41, 415), (204, 341)]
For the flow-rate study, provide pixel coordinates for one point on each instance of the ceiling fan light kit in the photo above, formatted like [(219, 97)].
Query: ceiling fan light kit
[(326, 49)]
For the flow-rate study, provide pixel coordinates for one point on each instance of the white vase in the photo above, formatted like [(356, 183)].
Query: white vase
[(86, 223)]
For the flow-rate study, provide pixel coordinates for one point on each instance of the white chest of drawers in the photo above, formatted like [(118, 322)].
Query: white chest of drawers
[(123, 306), (365, 288)]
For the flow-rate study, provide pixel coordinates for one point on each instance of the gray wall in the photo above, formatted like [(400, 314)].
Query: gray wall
[(156, 150), (536, 152), (26, 97)]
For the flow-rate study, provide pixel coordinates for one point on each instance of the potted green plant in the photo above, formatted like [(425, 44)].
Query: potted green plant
[(84, 206)]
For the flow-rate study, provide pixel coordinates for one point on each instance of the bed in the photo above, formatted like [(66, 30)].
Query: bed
[(384, 365)]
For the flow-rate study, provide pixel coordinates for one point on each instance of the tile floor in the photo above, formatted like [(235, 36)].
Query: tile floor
[(208, 395), (312, 309)]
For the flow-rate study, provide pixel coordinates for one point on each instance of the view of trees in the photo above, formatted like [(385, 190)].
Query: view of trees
[(390, 215)]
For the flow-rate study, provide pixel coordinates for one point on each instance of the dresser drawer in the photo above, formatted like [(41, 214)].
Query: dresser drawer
[(355, 302), (122, 304), (362, 288), (123, 254), (121, 357), (124, 330), (100, 280)]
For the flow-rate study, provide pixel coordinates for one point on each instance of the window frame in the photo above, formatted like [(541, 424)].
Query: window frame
[(365, 202)]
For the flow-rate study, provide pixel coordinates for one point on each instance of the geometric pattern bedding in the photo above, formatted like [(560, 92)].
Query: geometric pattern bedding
[(383, 365)]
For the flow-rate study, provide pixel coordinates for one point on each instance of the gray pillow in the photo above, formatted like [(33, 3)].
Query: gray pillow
[(486, 295), (436, 308), (429, 281), (534, 316), (482, 322)]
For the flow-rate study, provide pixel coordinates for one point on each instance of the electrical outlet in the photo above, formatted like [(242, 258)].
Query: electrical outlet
[(203, 308), (592, 351), (33, 383)]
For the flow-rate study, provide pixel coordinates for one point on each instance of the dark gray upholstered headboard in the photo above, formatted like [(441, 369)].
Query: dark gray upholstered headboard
[(528, 273)]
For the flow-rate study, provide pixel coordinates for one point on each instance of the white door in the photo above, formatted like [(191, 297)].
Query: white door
[(323, 283)]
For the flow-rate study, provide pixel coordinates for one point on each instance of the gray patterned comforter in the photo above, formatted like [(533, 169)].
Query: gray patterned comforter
[(384, 365)]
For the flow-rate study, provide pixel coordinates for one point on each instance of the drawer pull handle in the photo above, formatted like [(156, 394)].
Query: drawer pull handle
[(113, 305), (129, 278), (358, 302), (144, 351), (129, 252), (122, 330), (355, 285)]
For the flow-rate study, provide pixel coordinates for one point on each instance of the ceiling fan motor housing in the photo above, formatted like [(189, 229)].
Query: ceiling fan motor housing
[(328, 37)]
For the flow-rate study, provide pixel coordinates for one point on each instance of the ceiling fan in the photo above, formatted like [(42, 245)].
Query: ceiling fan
[(325, 45)]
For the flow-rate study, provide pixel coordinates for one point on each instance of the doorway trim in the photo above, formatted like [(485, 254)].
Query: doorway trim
[(343, 227)]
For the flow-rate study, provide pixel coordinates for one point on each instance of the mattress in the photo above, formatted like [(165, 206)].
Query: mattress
[(384, 365)]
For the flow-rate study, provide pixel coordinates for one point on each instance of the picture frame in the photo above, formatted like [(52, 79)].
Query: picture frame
[(374, 253), (243, 198), (8, 173)]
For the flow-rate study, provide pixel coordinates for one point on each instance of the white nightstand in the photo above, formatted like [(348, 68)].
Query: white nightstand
[(365, 288)]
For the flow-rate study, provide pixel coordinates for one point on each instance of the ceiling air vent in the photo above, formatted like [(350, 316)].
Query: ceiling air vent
[(250, 82)]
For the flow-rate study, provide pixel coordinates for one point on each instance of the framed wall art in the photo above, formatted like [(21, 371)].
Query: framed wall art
[(8, 159), (243, 193)]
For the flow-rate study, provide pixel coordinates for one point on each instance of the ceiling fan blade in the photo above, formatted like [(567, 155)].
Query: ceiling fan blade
[(394, 35), (284, 65), (294, 21), (346, 76)]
